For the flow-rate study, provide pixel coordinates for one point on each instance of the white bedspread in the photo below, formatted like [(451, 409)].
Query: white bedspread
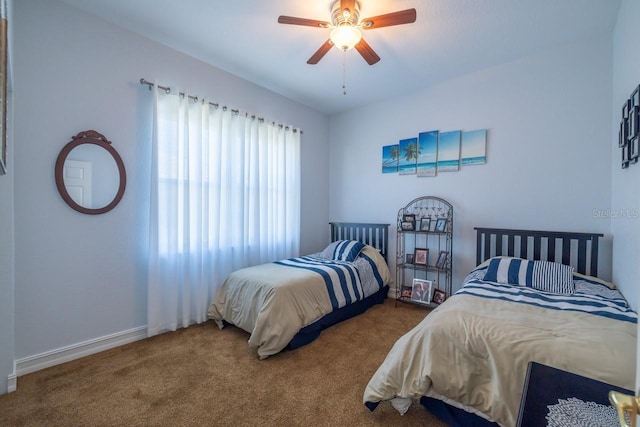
[(473, 350), (274, 301)]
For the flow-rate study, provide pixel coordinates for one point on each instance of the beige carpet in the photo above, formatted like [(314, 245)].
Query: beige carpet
[(203, 376)]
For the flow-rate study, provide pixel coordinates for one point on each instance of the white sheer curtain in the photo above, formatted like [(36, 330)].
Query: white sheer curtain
[(225, 194)]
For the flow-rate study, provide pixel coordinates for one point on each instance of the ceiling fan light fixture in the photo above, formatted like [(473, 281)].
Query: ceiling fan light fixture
[(345, 36)]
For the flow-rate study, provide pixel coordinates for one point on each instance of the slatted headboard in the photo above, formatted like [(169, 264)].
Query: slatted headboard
[(376, 235), (540, 245)]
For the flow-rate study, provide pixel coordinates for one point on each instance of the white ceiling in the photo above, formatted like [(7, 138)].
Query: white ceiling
[(449, 38)]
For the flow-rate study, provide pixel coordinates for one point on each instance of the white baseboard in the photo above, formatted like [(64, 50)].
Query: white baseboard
[(12, 380), (47, 359)]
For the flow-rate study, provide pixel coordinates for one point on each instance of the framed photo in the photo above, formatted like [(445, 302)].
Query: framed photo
[(407, 225), (425, 224), (633, 156), (409, 218), (421, 291), (442, 260), (406, 292), (421, 256), (439, 296), (633, 122), (625, 156), (409, 259), (441, 225)]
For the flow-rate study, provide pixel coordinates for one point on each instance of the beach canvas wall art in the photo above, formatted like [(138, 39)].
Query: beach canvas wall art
[(390, 156), (428, 153), (436, 151), (408, 156), (449, 151), (474, 147)]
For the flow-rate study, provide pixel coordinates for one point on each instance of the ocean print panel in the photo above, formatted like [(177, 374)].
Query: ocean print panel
[(408, 156), (449, 151), (427, 153), (390, 156), (474, 147)]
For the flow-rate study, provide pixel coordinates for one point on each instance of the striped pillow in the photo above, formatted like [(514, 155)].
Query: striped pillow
[(543, 275), (343, 250)]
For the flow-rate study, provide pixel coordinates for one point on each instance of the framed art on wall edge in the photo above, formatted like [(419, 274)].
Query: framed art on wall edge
[(3, 87)]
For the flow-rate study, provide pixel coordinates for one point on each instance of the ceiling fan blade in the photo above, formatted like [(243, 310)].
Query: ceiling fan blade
[(367, 53), (347, 4), (316, 57), (302, 21), (395, 18)]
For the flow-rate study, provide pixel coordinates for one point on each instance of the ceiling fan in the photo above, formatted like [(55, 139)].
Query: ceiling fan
[(346, 28)]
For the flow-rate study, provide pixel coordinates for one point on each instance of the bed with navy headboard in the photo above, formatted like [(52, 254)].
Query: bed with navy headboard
[(534, 296), (287, 303)]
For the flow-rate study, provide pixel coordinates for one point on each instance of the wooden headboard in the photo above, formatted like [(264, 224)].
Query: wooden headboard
[(579, 250), (376, 235)]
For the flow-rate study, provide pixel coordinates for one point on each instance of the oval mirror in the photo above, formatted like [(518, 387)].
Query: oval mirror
[(90, 174)]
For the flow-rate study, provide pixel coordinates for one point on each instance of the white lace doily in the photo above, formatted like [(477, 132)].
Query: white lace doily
[(574, 412)]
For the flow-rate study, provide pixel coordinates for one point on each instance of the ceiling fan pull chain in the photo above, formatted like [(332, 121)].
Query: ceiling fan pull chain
[(344, 72)]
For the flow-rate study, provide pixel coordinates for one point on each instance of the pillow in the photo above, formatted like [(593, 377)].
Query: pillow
[(343, 250), (543, 275), (578, 276)]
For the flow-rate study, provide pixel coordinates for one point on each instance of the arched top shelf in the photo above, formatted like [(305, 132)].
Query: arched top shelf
[(430, 207)]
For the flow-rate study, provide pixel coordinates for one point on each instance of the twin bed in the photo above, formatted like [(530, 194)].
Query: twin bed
[(287, 303), (467, 360), (534, 296)]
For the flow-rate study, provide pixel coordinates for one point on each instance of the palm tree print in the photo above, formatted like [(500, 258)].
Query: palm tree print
[(411, 151)]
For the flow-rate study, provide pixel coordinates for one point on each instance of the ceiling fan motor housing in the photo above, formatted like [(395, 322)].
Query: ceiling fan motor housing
[(346, 16)]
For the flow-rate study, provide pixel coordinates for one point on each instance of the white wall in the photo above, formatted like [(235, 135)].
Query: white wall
[(548, 149), (625, 183), (80, 277)]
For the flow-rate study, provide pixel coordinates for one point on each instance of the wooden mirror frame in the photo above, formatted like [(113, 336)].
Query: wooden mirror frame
[(89, 137)]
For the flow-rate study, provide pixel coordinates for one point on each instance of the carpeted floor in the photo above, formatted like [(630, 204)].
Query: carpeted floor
[(203, 376)]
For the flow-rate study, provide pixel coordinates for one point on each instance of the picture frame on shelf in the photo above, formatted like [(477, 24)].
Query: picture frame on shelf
[(439, 296), (421, 291), (409, 259), (442, 260), (421, 256), (441, 225), (407, 226), (408, 218), (406, 291), (425, 224)]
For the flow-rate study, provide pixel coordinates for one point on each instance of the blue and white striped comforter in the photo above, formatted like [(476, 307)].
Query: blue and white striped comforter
[(346, 282), (473, 350), (589, 297), (274, 301)]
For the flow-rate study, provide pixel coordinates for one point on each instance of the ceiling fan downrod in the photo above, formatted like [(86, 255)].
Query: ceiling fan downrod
[(344, 72)]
